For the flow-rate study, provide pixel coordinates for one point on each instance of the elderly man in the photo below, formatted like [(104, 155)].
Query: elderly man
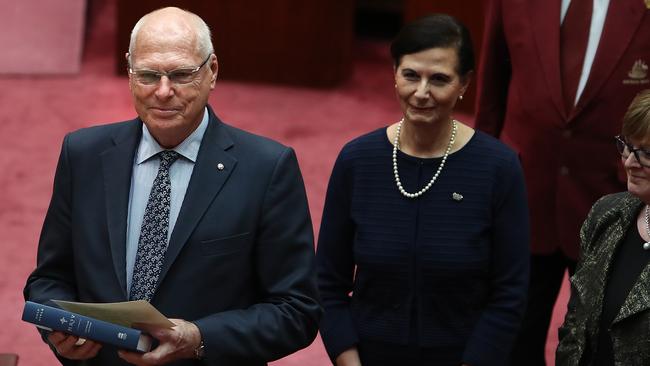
[(207, 222)]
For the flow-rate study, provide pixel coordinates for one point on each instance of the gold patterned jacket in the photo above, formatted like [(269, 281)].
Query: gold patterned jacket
[(601, 233)]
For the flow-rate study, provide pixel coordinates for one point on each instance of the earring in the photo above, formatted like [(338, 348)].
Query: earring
[(460, 97)]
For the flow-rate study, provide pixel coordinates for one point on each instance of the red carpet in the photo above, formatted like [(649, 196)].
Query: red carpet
[(38, 111)]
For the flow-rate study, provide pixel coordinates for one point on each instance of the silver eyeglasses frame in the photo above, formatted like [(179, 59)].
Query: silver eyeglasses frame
[(172, 76)]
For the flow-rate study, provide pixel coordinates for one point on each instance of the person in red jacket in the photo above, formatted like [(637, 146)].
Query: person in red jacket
[(554, 81)]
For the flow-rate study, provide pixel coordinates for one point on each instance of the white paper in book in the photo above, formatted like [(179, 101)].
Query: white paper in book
[(128, 313)]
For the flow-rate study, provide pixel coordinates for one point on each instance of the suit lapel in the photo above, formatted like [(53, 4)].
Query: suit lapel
[(638, 299), (623, 19), (117, 167), (205, 183), (591, 278), (545, 19)]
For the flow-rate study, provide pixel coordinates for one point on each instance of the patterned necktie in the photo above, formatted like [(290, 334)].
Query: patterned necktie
[(152, 244), (574, 36)]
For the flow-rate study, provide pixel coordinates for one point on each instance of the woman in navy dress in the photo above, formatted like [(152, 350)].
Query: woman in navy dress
[(423, 247)]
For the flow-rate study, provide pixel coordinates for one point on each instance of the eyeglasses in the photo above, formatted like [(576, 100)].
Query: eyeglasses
[(642, 155), (179, 76)]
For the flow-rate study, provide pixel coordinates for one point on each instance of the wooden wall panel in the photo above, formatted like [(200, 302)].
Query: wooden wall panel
[(42, 37), (299, 42)]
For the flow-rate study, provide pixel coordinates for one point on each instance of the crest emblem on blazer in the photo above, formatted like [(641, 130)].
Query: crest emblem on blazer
[(638, 74)]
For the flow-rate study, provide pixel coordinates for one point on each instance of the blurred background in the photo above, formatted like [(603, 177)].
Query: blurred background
[(312, 74)]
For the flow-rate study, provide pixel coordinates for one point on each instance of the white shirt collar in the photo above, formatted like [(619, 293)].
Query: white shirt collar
[(189, 148)]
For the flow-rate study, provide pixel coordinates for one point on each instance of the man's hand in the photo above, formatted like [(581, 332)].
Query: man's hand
[(176, 343), (70, 347)]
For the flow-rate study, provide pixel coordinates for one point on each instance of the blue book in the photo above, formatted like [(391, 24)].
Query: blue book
[(51, 318)]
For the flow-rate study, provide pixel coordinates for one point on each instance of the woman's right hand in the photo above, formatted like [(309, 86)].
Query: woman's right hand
[(349, 357), (70, 347)]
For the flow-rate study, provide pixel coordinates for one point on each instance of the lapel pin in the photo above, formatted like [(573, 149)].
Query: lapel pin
[(456, 197), (220, 166)]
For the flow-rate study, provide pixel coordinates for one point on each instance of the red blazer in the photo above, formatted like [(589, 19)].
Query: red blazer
[(569, 159)]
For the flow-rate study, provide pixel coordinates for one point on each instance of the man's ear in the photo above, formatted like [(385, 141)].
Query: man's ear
[(128, 65), (214, 66)]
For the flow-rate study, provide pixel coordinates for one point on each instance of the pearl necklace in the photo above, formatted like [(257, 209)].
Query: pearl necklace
[(452, 138), (646, 245)]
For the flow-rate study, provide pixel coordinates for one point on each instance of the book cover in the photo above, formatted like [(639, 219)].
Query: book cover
[(51, 318)]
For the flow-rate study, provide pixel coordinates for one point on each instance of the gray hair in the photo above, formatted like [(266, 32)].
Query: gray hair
[(203, 33)]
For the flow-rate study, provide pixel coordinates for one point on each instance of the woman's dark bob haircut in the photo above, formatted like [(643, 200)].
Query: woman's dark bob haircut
[(435, 31)]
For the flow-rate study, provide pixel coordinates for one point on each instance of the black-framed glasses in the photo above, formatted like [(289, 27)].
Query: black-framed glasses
[(625, 149), (180, 76)]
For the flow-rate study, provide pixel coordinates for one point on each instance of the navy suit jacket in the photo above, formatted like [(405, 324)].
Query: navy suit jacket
[(240, 258)]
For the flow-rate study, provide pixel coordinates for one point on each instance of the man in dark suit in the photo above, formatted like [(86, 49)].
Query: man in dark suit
[(207, 222), (554, 82)]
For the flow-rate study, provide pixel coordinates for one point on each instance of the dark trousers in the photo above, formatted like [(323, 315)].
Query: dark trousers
[(546, 273), (376, 353)]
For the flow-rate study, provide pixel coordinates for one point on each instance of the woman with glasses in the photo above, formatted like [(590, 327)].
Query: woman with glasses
[(423, 247), (608, 318)]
